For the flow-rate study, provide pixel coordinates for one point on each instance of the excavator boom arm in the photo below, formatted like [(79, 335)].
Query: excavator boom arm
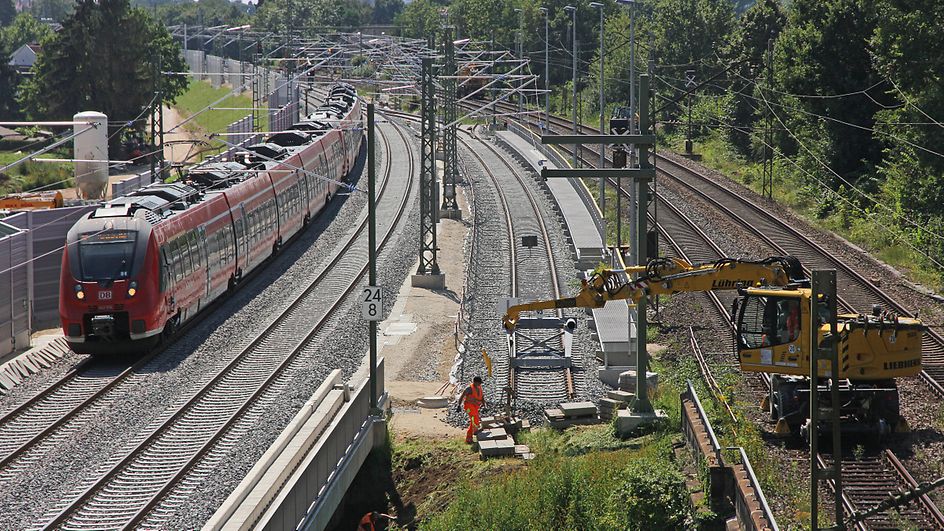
[(664, 278)]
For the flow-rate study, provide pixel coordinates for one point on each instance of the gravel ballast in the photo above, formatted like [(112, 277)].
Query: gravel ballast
[(176, 374)]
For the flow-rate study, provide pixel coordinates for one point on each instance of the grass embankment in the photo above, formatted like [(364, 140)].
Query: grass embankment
[(780, 477), (30, 176), (215, 119), (200, 94), (582, 478)]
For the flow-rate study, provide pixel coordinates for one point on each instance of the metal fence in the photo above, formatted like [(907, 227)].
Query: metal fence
[(731, 483), (126, 186), (46, 237), (194, 59), (15, 273)]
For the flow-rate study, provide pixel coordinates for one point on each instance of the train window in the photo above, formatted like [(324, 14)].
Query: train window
[(106, 255), (224, 246), (183, 256), (176, 260), (194, 251)]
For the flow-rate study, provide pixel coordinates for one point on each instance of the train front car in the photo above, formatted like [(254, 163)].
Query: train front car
[(109, 295)]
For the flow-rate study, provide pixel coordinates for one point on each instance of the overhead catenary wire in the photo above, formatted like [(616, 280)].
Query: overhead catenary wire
[(769, 105), (831, 119), (881, 205), (844, 199), (909, 102)]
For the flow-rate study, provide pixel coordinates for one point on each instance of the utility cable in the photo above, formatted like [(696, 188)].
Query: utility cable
[(802, 144), (909, 102), (842, 198)]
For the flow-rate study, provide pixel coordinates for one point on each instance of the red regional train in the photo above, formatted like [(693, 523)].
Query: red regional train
[(138, 267)]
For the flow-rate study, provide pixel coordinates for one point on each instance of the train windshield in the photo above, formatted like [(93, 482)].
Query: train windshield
[(106, 255)]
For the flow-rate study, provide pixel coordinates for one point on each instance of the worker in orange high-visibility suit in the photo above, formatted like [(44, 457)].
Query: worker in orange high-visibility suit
[(473, 398), (372, 521)]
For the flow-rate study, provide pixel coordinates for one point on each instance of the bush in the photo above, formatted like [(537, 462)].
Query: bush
[(650, 496)]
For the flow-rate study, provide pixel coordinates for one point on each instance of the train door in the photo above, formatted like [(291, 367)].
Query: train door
[(203, 244), (304, 191), (242, 255)]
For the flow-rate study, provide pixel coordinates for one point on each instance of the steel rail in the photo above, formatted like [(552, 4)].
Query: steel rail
[(545, 236), (75, 505), (513, 262), (168, 487), (932, 514), (932, 374)]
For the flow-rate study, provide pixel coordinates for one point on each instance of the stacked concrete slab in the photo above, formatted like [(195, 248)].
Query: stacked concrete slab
[(569, 414), (496, 438), (614, 401)]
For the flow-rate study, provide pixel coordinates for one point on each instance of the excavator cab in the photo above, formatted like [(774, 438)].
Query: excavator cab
[(768, 330)]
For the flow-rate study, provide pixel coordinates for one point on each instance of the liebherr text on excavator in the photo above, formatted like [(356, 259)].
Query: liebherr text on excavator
[(774, 320)]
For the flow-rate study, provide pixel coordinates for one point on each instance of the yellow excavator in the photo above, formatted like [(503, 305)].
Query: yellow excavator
[(773, 316)]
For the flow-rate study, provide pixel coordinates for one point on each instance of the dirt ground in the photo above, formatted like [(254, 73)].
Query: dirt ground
[(419, 344)]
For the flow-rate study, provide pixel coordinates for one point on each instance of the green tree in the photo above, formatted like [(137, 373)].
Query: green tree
[(419, 18), (310, 15), (385, 11), (908, 53), (688, 33), (7, 12), (8, 88), (53, 10), (823, 63), (24, 29), (762, 22), (105, 58), (203, 13), (650, 496)]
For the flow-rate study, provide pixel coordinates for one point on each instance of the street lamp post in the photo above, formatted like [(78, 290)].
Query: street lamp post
[(573, 23), (632, 63), (547, 69), (602, 118)]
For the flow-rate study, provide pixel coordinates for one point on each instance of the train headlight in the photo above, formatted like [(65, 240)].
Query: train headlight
[(79, 294), (132, 288)]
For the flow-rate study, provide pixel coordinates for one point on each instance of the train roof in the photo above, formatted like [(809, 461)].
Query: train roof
[(157, 201), (153, 202)]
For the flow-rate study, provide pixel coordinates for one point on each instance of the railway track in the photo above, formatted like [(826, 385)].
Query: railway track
[(537, 384), (146, 483), (857, 293), (868, 479)]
